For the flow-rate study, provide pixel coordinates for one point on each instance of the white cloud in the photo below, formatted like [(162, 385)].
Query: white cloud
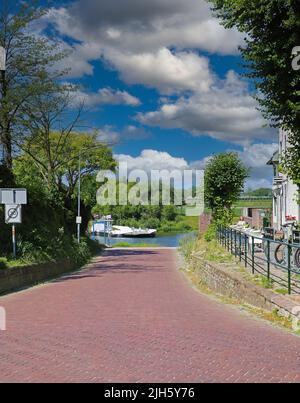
[(77, 63), (105, 96), (257, 155), (157, 43), (146, 25), (153, 159), (254, 157), (111, 135), (120, 30), (168, 72), (227, 112)]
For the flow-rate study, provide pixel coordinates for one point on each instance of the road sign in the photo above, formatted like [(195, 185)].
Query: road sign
[(13, 196), (78, 220), (13, 214)]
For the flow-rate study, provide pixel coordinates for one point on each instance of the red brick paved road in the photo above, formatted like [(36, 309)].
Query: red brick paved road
[(132, 317)]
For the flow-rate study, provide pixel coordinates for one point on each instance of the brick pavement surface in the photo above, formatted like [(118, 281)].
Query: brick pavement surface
[(132, 317)]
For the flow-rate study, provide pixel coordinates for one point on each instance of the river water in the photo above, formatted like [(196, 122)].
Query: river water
[(165, 241)]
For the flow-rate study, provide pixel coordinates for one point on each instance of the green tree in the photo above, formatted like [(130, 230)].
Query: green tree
[(224, 179), (169, 213), (272, 30), (58, 159), (30, 69)]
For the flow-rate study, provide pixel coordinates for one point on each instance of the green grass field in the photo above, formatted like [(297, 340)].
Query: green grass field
[(254, 203), (193, 222), (136, 245)]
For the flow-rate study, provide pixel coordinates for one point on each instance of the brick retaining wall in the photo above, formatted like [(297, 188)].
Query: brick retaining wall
[(14, 279), (223, 280)]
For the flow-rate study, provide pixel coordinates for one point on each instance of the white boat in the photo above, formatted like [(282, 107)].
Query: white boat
[(119, 231)]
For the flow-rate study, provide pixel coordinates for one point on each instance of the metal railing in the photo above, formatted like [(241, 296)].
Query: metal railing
[(277, 261)]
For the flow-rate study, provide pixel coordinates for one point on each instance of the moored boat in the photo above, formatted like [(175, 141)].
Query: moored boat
[(119, 231)]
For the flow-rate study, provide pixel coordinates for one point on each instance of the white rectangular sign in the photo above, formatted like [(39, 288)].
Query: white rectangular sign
[(2, 59), (78, 220), (13, 214), (13, 196)]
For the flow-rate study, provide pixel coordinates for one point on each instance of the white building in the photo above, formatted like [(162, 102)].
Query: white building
[(286, 209)]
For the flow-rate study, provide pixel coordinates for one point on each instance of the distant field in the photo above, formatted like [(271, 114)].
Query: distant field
[(192, 221), (255, 203)]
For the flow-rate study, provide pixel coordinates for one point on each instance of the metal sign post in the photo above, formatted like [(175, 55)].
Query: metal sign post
[(14, 241), (13, 215)]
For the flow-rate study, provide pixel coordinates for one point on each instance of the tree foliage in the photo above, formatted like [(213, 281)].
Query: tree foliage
[(41, 147), (30, 69), (224, 179), (60, 160), (261, 192), (272, 31)]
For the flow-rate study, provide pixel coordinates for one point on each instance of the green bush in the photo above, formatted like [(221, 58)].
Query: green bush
[(210, 234), (3, 263)]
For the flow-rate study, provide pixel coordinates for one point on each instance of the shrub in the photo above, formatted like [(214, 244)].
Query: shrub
[(3, 263), (210, 234), (82, 253)]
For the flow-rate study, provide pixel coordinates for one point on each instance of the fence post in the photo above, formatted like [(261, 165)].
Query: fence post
[(231, 241), (268, 255), (289, 270), (240, 246), (253, 253), (246, 250), (235, 242), (227, 239)]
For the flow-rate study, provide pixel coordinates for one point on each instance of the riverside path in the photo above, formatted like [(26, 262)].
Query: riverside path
[(131, 316)]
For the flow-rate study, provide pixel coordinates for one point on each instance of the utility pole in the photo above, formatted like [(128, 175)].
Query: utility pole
[(2, 71), (2, 59), (79, 218)]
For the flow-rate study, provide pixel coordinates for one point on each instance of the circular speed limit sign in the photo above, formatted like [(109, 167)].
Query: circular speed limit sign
[(13, 214)]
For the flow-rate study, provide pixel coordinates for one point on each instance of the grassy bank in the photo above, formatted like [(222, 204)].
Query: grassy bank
[(182, 224), (136, 245), (215, 254), (78, 254)]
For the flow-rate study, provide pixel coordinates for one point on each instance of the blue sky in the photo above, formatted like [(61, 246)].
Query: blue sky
[(161, 79)]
